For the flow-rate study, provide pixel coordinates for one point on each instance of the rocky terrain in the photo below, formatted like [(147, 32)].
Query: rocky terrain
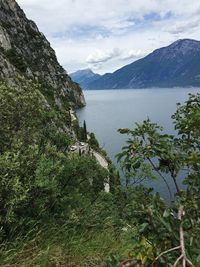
[(25, 51)]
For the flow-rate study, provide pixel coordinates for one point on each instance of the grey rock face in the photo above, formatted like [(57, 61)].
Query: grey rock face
[(24, 50)]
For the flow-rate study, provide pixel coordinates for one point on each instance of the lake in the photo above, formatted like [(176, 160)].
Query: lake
[(109, 110)]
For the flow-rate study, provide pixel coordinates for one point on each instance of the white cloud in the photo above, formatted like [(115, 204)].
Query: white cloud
[(183, 26), (60, 15), (99, 56), (132, 54), (86, 32)]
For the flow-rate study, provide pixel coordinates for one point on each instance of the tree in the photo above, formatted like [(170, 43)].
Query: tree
[(174, 231), (93, 142), (85, 130), (39, 179)]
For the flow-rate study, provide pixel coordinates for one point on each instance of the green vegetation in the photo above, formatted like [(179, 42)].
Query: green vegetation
[(93, 142), (53, 208), (36, 173), (172, 233), (16, 59)]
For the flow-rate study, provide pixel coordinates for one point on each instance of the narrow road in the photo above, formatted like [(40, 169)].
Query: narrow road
[(84, 148), (100, 159)]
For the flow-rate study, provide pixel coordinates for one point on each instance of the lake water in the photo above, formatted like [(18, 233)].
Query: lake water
[(109, 110)]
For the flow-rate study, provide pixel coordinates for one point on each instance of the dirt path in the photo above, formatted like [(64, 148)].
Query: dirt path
[(102, 161)]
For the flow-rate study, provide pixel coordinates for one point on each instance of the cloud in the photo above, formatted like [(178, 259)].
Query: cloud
[(133, 54), (183, 26), (100, 56), (114, 15), (87, 32)]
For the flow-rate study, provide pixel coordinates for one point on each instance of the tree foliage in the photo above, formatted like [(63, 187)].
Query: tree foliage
[(39, 179), (41, 182), (172, 232)]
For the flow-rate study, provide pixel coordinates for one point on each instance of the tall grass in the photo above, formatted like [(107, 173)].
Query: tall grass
[(54, 246)]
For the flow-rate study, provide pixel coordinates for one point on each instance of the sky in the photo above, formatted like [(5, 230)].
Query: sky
[(104, 35)]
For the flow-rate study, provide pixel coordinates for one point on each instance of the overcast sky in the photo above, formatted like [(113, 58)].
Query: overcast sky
[(105, 35)]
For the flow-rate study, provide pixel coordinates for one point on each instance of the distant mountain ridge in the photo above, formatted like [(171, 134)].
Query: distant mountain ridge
[(84, 77), (175, 65)]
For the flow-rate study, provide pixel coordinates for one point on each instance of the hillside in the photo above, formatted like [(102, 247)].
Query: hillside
[(84, 77), (175, 65), (24, 50), (44, 182)]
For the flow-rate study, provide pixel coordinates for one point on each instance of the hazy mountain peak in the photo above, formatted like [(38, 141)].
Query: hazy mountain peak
[(83, 71), (84, 76)]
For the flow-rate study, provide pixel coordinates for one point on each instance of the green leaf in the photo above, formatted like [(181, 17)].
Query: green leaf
[(166, 213), (198, 259), (143, 227)]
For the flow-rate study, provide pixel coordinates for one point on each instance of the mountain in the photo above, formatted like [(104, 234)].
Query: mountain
[(84, 77), (25, 51), (175, 65)]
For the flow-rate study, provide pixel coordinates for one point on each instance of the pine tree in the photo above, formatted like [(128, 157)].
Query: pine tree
[(85, 130)]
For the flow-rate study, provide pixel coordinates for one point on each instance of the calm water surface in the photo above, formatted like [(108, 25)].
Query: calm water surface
[(109, 110)]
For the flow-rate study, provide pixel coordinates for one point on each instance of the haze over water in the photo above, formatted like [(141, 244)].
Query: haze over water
[(109, 110)]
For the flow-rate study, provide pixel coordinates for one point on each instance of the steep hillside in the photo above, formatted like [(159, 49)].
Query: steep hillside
[(24, 50), (175, 65), (43, 179), (84, 77)]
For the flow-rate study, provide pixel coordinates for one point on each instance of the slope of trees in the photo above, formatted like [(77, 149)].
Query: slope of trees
[(38, 178), (53, 210)]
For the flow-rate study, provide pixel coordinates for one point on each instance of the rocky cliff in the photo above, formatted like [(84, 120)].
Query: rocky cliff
[(25, 51)]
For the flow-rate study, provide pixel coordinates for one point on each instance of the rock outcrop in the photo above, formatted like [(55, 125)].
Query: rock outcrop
[(25, 51)]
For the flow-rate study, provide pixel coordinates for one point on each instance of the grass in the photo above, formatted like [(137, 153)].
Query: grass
[(55, 247)]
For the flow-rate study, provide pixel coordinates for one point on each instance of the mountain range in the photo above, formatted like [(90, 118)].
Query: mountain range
[(84, 77), (176, 65)]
